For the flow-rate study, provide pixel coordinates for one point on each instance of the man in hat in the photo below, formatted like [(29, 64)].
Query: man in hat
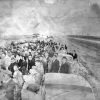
[(55, 64), (65, 66)]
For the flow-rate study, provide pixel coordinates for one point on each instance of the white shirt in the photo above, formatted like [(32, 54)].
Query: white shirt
[(7, 61), (17, 77)]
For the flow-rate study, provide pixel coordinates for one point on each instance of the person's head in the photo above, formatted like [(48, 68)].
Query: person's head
[(41, 58), (34, 67), (33, 53), (74, 51), (62, 48), (32, 71), (6, 52), (25, 48), (64, 60), (13, 59), (23, 58), (17, 55), (30, 57), (3, 55), (9, 53), (36, 53), (29, 50), (55, 56), (15, 68), (46, 54)]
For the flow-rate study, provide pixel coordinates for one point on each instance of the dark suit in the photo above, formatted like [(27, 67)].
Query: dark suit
[(64, 68), (23, 67), (11, 67), (30, 64), (55, 66)]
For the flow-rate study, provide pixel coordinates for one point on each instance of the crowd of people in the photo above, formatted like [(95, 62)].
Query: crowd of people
[(25, 55), (24, 64)]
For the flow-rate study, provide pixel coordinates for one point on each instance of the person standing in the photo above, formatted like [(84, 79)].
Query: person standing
[(18, 79), (55, 64), (75, 56), (64, 68), (11, 66), (31, 62)]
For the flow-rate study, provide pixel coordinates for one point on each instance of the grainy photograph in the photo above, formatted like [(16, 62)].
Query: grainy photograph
[(49, 49)]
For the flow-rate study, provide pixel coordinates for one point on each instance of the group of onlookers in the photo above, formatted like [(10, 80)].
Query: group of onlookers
[(24, 64), (47, 52)]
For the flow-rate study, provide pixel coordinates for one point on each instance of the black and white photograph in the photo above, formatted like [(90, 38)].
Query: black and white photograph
[(49, 49)]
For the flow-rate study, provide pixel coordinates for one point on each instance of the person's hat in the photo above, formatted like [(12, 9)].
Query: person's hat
[(12, 58), (15, 68), (55, 54), (37, 58)]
